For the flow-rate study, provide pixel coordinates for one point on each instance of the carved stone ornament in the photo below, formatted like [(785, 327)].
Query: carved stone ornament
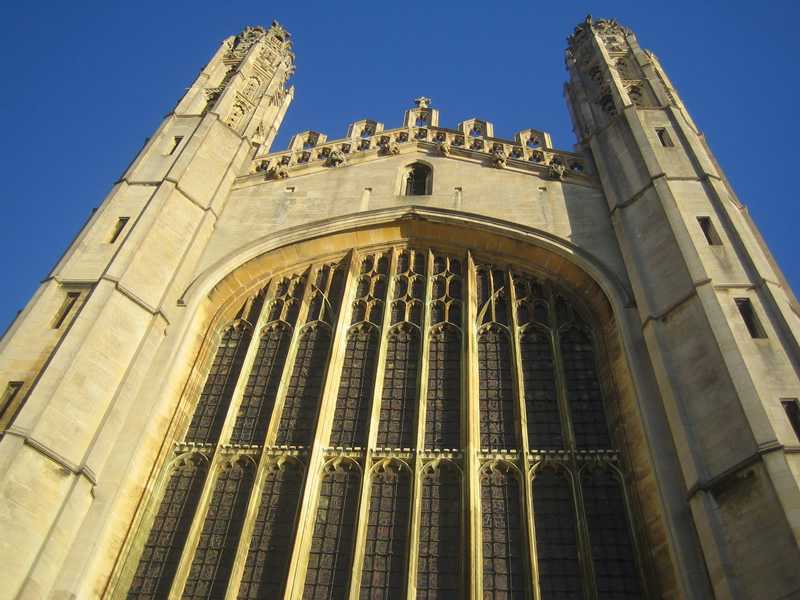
[(390, 147), (444, 148), (499, 158), (335, 158), (556, 171), (279, 172)]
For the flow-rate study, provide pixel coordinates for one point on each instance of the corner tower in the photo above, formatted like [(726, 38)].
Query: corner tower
[(78, 356), (719, 321)]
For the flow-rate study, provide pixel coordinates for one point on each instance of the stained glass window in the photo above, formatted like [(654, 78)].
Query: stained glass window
[(444, 389), (398, 405), (262, 386), (584, 398), (440, 545), (615, 570), (164, 545), (556, 541), (503, 536), (496, 390), (541, 402), (354, 401), (216, 549), (383, 573), (298, 418), (267, 560), (209, 414), (330, 558)]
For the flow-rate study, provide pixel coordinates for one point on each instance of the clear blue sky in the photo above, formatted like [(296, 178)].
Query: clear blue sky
[(84, 83)]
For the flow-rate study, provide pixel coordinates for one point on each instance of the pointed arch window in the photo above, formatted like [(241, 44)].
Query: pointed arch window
[(299, 414), (440, 547), (259, 395), (615, 570), (330, 558), (267, 560), (503, 537), (496, 390), (170, 528), (216, 549), (418, 180), (444, 389), (556, 536), (353, 404), (541, 402), (209, 414), (398, 404), (383, 574)]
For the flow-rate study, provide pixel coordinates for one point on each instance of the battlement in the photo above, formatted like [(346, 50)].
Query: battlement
[(530, 150)]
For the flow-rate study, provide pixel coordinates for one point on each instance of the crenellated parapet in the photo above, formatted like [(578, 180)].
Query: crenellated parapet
[(530, 151)]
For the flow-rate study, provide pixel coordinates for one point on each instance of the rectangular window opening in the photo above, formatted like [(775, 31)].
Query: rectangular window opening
[(792, 409), (750, 318), (7, 405), (118, 228), (176, 141), (707, 225), (664, 137), (66, 307)]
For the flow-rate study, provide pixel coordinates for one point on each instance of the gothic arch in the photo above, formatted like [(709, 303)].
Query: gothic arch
[(212, 300)]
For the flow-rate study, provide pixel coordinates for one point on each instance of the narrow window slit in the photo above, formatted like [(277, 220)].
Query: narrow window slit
[(664, 137), (176, 141), (792, 409), (66, 307), (119, 227), (750, 318), (707, 225)]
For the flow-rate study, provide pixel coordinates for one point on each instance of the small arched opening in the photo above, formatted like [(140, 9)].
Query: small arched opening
[(418, 180)]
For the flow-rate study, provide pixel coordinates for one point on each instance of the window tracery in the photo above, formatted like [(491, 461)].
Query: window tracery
[(329, 562), (267, 560), (216, 549), (526, 351), (383, 574), (503, 535), (440, 538), (164, 545)]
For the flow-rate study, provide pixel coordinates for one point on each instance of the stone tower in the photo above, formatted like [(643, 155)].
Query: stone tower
[(413, 362)]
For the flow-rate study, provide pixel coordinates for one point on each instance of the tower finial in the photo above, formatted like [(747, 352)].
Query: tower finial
[(422, 102)]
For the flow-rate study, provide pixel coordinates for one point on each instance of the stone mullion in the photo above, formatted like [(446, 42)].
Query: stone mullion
[(217, 458), (377, 392), (568, 436), (416, 489), (522, 432), (264, 461), (471, 420), (298, 562)]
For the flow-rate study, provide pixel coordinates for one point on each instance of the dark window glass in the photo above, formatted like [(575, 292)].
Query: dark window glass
[(267, 563), (209, 414), (583, 391), (299, 414), (750, 318), (496, 391), (417, 180), (444, 390), (164, 545), (329, 562), (792, 409), (503, 538), (541, 402), (556, 542), (709, 231), (258, 399), (440, 548), (609, 533), (398, 404), (216, 549), (383, 574), (354, 402)]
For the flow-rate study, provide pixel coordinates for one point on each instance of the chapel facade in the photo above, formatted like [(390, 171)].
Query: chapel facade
[(418, 361)]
